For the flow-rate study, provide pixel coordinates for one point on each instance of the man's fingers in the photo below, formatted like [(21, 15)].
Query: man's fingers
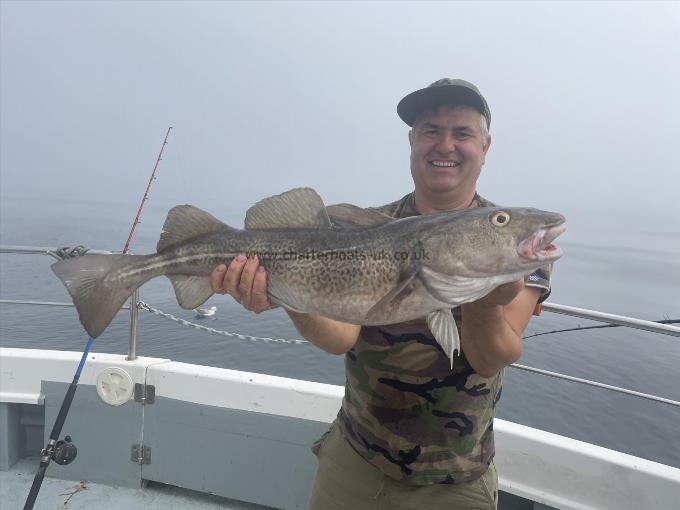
[(245, 280), (233, 276), (217, 277), (259, 301), (245, 285)]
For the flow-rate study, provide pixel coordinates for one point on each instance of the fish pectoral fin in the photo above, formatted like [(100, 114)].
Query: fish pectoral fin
[(348, 215), (406, 278), (191, 291), (454, 290), (445, 332), (297, 208), (185, 222)]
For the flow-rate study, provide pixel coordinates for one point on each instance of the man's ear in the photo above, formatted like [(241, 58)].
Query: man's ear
[(487, 144), (485, 148), (410, 137)]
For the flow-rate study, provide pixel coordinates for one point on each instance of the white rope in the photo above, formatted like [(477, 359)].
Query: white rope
[(144, 306)]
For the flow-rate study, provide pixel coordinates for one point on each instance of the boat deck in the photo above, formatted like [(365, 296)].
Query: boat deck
[(54, 494)]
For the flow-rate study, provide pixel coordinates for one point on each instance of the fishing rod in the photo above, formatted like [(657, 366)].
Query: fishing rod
[(63, 452), (145, 197)]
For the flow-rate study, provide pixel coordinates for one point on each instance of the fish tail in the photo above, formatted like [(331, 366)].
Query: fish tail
[(96, 297)]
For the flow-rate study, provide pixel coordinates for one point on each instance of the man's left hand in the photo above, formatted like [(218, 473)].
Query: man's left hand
[(503, 294)]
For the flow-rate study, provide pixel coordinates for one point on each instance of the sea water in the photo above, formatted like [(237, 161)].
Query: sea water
[(613, 262)]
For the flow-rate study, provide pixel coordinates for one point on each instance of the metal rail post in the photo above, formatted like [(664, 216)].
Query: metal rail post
[(134, 312)]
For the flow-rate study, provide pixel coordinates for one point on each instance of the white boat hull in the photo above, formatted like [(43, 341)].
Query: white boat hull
[(246, 436)]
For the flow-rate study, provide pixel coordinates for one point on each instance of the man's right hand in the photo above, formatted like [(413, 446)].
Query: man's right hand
[(245, 280)]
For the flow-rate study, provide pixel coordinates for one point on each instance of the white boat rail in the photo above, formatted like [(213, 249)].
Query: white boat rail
[(612, 319)]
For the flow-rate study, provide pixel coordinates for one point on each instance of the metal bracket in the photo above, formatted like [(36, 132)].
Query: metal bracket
[(140, 455), (145, 393)]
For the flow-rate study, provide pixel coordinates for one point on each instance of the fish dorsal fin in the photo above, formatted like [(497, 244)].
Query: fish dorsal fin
[(297, 208), (186, 221), (351, 215)]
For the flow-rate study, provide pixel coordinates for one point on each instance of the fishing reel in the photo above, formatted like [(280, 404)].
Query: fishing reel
[(64, 451)]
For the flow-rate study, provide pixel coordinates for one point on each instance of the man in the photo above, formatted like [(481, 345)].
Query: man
[(412, 432)]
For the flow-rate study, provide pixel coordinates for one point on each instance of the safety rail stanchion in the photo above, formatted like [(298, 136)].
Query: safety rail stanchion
[(134, 313)]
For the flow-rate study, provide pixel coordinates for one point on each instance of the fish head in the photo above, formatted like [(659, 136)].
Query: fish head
[(497, 240)]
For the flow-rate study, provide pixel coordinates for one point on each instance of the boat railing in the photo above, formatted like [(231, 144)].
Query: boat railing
[(611, 319)]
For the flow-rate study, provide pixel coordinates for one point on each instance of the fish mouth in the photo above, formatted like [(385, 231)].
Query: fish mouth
[(538, 246)]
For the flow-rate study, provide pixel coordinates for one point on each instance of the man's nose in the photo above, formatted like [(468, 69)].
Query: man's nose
[(447, 143)]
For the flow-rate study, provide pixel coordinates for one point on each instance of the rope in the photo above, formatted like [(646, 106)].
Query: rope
[(142, 305), (68, 252)]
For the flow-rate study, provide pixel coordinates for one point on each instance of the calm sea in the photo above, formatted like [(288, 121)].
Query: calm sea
[(612, 262)]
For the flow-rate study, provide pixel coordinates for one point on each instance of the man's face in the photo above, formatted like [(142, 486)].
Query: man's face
[(447, 150)]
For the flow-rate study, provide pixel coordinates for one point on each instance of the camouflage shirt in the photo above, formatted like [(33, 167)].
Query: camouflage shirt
[(405, 411)]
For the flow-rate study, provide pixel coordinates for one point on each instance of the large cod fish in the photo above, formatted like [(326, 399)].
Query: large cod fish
[(363, 268)]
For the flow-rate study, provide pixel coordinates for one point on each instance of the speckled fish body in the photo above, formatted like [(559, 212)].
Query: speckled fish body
[(342, 262)]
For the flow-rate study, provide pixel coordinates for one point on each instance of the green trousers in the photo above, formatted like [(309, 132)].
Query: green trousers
[(345, 481)]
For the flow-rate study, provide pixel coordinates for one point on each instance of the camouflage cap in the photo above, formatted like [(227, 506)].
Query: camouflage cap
[(445, 91)]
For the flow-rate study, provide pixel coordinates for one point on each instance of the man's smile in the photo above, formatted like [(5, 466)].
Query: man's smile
[(441, 163)]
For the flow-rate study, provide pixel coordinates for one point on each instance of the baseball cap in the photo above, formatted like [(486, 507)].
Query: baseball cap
[(445, 91)]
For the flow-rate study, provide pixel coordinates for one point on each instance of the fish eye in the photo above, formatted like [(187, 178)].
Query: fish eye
[(500, 218)]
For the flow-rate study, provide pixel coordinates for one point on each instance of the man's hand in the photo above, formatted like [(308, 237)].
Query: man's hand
[(245, 280), (493, 326), (503, 294)]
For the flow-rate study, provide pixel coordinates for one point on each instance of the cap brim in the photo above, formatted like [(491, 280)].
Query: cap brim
[(425, 99)]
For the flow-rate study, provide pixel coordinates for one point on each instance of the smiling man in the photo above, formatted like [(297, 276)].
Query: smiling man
[(448, 149), (414, 432)]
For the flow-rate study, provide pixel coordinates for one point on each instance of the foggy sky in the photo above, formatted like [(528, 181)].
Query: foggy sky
[(264, 97)]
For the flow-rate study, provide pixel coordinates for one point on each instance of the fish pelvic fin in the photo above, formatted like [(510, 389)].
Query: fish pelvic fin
[(98, 298), (445, 332), (297, 208), (191, 291), (186, 222)]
